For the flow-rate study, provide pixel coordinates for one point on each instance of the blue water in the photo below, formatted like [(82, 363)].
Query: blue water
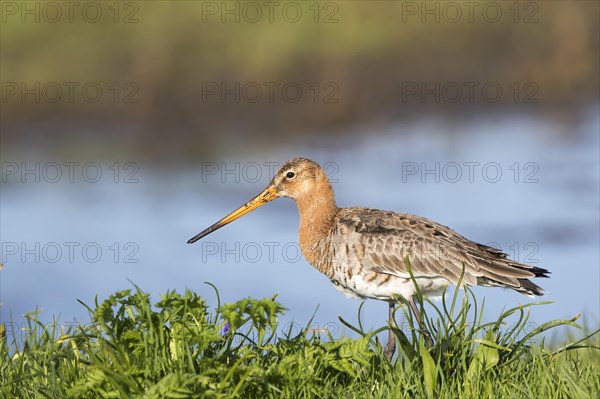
[(542, 208)]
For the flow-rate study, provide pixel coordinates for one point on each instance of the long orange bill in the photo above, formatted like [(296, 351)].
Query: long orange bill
[(267, 195)]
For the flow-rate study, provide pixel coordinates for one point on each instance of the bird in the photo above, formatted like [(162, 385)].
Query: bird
[(383, 255)]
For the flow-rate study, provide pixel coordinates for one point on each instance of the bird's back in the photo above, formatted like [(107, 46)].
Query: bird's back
[(365, 254)]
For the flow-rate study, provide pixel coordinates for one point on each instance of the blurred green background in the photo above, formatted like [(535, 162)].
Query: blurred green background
[(165, 56)]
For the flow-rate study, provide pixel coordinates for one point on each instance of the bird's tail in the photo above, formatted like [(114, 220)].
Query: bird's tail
[(528, 288), (525, 286)]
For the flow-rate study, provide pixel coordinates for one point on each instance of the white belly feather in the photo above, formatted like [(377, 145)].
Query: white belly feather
[(357, 287)]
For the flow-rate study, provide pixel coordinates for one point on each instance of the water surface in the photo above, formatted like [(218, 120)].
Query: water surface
[(518, 183)]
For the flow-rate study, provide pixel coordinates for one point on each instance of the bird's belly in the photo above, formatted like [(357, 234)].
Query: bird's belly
[(360, 287)]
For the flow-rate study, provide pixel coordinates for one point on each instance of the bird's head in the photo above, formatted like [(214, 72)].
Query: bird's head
[(299, 178)]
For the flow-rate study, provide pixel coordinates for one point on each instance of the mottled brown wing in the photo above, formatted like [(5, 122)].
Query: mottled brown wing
[(385, 239)]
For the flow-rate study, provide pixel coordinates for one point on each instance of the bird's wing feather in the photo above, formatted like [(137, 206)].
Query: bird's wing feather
[(385, 239)]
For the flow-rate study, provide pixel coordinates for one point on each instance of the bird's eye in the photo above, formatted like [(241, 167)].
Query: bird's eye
[(290, 175)]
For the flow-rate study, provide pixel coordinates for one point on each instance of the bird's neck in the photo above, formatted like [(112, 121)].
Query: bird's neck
[(317, 214)]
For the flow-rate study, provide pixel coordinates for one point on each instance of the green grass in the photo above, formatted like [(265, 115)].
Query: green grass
[(180, 348)]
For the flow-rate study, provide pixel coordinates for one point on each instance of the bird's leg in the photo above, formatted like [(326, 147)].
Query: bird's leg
[(424, 330), (390, 347)]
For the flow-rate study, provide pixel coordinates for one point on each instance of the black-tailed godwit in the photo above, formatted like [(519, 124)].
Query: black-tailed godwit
[(363, 251)]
